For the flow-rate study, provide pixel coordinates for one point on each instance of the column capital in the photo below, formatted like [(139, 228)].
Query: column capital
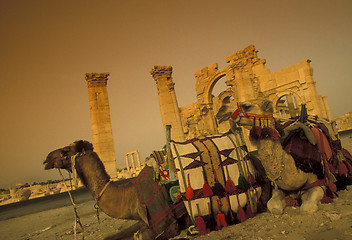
[(161, 71), (97, 79)]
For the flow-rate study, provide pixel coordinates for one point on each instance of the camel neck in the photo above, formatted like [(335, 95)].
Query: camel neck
[(270, 154), (92, 173)]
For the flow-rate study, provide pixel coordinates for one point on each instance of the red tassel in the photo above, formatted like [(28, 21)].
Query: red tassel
[(249, 213), (230, 216), (326, 199), (201, 226), (241, 215), (220, 220), (207, 192), (342, 169), (230, 187), (189, 192)]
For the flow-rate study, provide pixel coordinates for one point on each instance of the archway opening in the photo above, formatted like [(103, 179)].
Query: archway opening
[(219, 87), (287, 107)]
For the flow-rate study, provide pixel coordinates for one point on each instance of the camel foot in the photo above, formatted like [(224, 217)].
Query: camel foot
[(309, 207), (311, 199), (276, 204)]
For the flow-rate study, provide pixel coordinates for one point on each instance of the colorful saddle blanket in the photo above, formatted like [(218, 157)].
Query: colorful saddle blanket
[(154, 198)]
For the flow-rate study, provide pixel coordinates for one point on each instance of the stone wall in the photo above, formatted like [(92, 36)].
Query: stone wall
[(344, 127)]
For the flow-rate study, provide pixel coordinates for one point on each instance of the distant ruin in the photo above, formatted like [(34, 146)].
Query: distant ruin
[(247, 78)]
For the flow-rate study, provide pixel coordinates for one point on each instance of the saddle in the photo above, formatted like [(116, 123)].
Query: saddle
[(316, 148)]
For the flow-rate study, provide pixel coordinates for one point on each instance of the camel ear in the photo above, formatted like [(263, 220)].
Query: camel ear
[(267, 107), (81, 146)]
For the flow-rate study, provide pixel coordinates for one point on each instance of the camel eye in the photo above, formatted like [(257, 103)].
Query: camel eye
[(246, 107)]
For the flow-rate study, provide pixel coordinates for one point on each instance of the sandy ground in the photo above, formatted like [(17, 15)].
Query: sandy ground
[(332, 221)]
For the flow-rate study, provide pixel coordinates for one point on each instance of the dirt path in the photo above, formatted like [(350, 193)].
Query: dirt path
[(332, 221)]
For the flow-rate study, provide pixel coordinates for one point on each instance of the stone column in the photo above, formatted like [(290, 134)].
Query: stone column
[(138, 161), (100, 119), (170, 112), (127, 162), (133, 164)]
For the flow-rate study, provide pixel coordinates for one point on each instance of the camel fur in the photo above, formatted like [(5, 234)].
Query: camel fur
[(279, 166), (117, 201)]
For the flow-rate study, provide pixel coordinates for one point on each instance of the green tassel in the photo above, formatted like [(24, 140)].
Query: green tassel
[(265, 132), (242, 183)]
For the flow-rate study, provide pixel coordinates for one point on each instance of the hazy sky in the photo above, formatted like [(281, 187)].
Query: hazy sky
[(47, 46)]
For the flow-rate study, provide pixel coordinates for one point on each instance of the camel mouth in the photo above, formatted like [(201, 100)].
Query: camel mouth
[(48, 164), (54, 160)]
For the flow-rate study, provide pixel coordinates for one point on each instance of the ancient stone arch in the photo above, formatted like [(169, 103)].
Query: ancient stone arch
[(247, 79)]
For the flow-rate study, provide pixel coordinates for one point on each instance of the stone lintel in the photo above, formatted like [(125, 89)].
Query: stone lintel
[(97, 79), (161, 71)]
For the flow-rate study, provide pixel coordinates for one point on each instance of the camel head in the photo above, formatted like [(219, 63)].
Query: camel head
[(257, 116), (245, 113), (61, 158)]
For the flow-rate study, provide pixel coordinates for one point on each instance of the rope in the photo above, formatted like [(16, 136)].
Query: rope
[(77, 219), (102, 191)]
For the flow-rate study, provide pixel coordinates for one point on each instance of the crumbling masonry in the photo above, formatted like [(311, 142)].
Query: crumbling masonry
[(247, 79)]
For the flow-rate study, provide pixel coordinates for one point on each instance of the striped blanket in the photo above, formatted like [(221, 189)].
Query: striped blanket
[(213, 160)]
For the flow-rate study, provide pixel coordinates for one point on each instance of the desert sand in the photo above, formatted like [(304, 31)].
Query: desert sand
[(332, 221)]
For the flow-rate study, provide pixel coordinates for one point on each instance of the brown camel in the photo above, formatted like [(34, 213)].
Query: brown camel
[(279, 166), (117, 201)]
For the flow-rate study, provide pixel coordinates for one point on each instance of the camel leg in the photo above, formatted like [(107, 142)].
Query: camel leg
[(312, 197), (276, 204)]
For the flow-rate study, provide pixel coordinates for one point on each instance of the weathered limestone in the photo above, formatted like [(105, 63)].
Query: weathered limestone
[(100, 119), (247, 79), (169, 109), (344, 127)]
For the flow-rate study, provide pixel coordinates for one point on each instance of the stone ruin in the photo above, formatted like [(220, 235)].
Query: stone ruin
[(247, 78)]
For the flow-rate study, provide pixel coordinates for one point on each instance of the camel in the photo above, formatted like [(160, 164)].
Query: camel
[(280, 166), (117, 201)]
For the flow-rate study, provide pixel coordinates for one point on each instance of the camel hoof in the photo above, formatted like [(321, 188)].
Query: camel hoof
[(309, 208), (276, 211), (275, 207)]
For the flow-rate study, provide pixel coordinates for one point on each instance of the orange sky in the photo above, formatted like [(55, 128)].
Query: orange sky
[(46, 47)]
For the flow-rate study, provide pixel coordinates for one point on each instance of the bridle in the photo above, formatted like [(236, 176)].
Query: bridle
[(239, 112)]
